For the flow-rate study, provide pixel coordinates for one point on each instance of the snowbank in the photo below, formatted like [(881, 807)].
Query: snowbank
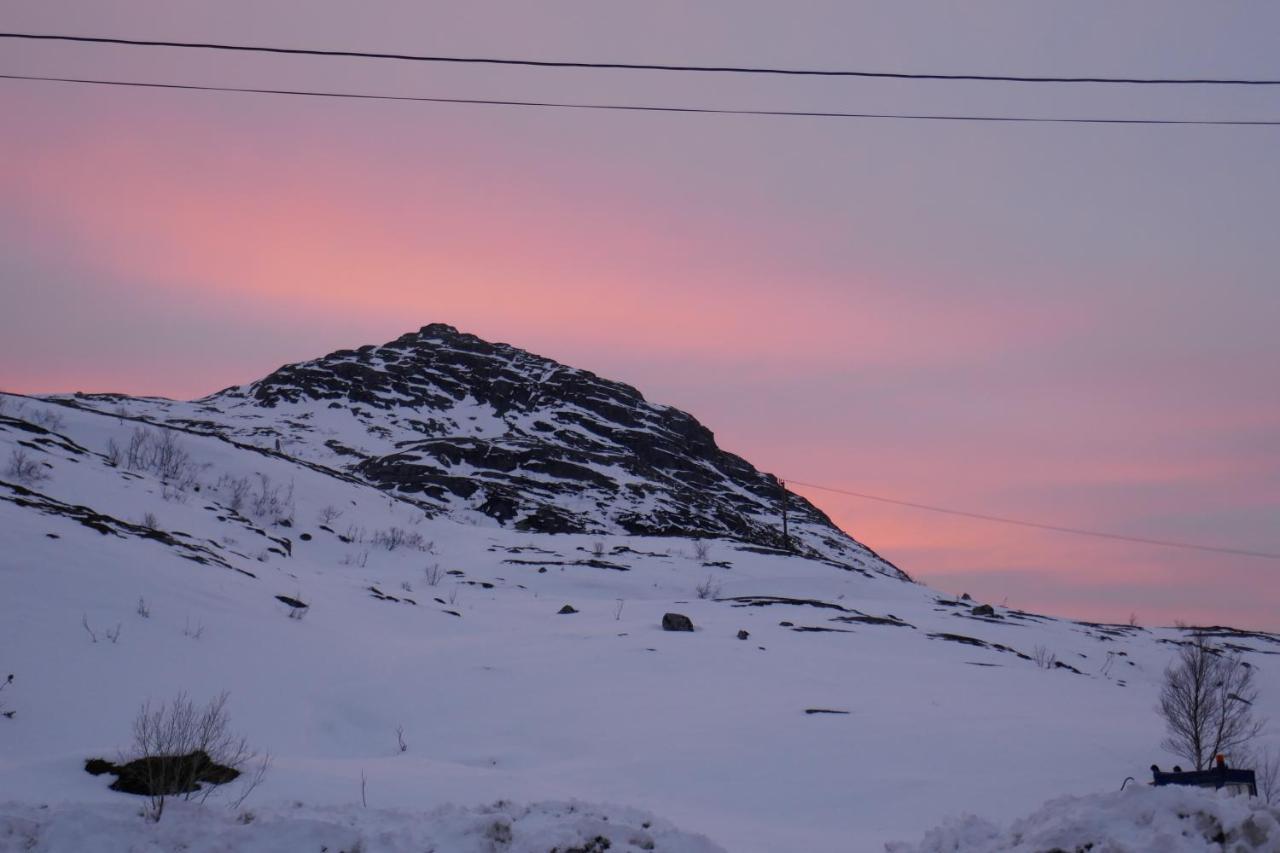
[(499, 828), (1169, 820)]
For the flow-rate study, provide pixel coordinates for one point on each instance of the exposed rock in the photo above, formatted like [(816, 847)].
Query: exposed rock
[(568, 608), (983, 610), (676, 622), (742, 635)]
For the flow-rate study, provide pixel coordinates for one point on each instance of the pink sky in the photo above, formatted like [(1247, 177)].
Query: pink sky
[(1074, 326)]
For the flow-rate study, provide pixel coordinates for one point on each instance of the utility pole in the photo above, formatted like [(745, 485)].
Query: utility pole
[(786, 536)]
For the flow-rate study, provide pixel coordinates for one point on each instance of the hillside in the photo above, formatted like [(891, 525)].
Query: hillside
[(858, 709)]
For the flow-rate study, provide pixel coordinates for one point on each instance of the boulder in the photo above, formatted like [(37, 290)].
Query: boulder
[(568, 608), (676, 622)]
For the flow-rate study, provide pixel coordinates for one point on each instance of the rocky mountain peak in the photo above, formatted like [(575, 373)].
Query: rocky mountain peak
[(491, 432)]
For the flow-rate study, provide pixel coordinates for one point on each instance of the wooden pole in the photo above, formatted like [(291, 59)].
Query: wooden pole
[(786, 536)]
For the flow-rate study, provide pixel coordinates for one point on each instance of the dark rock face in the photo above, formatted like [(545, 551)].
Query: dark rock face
[(983, 610), (676, 622), (567, 609), (460, 424)]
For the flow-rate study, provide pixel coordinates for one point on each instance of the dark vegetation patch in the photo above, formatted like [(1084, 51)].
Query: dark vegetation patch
[(592, 563), (163, 775), (757, 549), (864, 619), (768, 600), (619, 550), (814, 629), (374, 592), (982, 644)]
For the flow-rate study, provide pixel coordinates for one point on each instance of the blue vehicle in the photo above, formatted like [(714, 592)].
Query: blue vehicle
[(1219, 776)]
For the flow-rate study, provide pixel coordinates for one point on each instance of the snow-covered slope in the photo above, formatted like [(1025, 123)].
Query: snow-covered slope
[(858, 709), (495, 435)]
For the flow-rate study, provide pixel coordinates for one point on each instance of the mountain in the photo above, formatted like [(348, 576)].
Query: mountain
[(485, 431)]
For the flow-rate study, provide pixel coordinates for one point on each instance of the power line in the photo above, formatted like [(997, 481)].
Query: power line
[(646, 66), (365, 96), (1057, 528)]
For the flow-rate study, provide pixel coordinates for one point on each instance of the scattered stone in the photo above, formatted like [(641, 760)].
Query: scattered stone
[(292, 602), (568, 608), (305, 537), (742, 635), (983, 610), (787, 624), (676, 622), (823, 711)]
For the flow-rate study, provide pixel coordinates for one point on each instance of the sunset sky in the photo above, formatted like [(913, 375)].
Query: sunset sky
[(1064, 323)]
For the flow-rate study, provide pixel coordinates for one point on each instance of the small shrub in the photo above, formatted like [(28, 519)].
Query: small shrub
[(329, 514), (361, 560), (180, 748), (404, 747), (397, 537), (150, 522), (143, 610), (701, 549), (48, 419), (162, 453), (433, 574), (709, 588), (113, 453), (24, 469), (1044, 658), (597, 549), (273, 502), (236, 491)]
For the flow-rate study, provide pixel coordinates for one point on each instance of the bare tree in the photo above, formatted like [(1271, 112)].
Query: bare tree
[(1207, 703), (1266, 766), (6, 712)]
